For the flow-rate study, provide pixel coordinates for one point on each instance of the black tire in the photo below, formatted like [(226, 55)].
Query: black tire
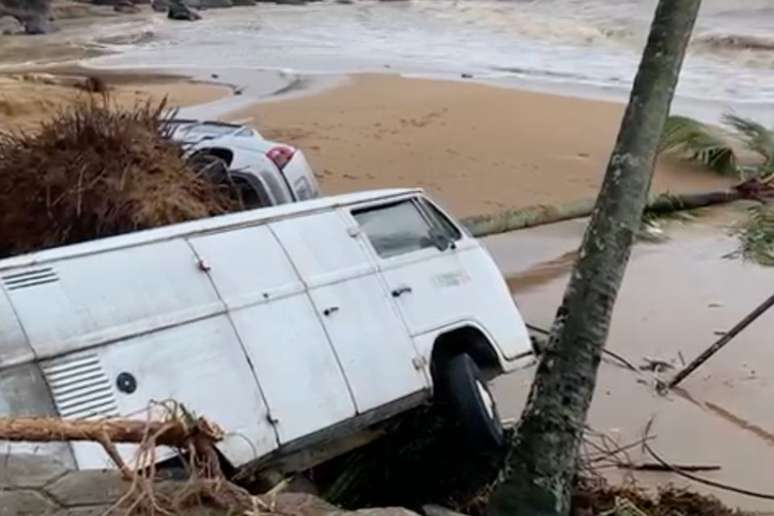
[(470, 402)]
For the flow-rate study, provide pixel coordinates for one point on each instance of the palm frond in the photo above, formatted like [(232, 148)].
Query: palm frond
[(757, 235), (757, 137), (691, 139)]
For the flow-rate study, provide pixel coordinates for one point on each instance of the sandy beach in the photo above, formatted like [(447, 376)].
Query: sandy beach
[(28, 98), (477, 148)]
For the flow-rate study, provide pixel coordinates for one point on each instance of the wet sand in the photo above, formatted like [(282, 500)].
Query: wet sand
[(676, 295), (477, 148), (26, 99)]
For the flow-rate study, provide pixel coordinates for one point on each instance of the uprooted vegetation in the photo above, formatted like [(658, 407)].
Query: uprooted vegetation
[(96, 169), (594, 498)]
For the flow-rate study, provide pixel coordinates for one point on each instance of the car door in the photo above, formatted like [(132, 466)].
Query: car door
[(368, 336), (289, 352), (420, 259)]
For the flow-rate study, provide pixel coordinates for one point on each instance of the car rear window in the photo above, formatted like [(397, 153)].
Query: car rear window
[(395, 229)]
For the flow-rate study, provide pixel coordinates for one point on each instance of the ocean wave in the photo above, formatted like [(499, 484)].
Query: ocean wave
[(595, 43), (734, 42), (131, 38)]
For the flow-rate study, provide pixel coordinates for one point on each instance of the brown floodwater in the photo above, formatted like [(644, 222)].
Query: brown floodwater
[(677, 297)]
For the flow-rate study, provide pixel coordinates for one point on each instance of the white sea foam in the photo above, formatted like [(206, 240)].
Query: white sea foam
[(588, 43)]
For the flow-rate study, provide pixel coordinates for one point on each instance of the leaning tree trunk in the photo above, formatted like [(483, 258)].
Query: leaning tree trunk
[(544, 453)]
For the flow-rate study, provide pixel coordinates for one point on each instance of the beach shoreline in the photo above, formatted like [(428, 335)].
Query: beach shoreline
[(477, 148)]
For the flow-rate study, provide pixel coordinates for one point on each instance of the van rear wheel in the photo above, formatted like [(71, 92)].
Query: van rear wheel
[(471, 403)]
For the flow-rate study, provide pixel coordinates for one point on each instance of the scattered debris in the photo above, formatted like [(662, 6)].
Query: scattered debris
[(720, 343), (656, 365), (656, 466), (596, 498)]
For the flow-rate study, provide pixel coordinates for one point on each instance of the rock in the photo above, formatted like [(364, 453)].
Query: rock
[(160, 6), (243, 3), (285, 2), (439, 510), (37, 25), (32, 14), (210, 4), (377, 511), (301, 504), (10, 25), (126, 7), (179, 10)]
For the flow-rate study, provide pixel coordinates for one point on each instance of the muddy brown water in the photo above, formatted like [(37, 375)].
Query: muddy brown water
[(676, 297)]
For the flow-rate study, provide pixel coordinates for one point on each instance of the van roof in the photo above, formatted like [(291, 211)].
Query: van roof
[(210, 224)]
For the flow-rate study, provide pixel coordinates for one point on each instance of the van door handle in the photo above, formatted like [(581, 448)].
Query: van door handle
[(404, 289), (330, 311)]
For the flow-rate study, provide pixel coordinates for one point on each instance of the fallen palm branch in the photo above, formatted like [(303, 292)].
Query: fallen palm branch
[(756, 235), (722, 150)]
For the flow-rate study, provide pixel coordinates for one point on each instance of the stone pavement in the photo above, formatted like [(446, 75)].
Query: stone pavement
[(39, 485)]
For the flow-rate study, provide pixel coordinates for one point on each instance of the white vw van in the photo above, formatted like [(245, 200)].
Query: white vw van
[(287, 326)]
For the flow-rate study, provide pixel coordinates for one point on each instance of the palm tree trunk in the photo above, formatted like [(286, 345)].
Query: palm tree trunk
[(544, 453)]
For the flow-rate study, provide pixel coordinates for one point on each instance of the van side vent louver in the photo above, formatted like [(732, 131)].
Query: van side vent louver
[(80, 387), (30, 278)]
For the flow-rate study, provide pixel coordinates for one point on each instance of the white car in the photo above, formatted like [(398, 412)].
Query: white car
[(270, 173), (291, 327)]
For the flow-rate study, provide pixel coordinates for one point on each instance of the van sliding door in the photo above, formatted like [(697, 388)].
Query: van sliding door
[(295, 367), (367, 334)]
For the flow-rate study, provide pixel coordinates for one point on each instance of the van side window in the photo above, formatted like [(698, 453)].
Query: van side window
[(441, 221), (395, 228)]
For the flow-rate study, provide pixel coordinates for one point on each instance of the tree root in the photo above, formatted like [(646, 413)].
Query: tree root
[(193, 438)]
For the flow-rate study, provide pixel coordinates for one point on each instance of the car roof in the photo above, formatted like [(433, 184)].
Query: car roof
[(202, 226)]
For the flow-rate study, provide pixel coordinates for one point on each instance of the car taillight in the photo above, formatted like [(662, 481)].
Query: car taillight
[(280, 155)]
